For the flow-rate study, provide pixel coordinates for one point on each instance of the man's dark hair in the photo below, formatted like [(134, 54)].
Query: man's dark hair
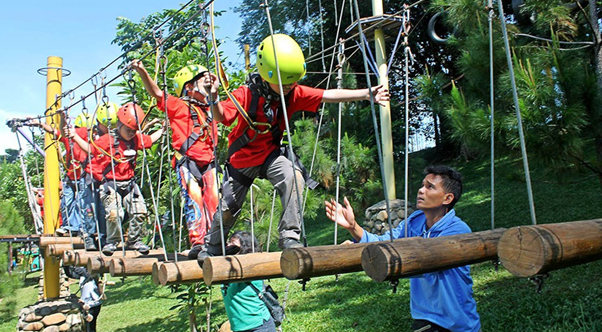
[(452, 181), (247, 241)]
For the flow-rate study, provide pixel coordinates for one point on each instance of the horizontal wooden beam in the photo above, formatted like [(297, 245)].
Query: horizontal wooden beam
[(527, 251), (308, 262), (137, 266), (182, 272), (57, 249), (101, 263), (238, 268), (416, 255), (74, 240)]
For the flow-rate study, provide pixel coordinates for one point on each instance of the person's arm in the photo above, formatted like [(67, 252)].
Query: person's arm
[(39, 124), (72, 135), (344, 217), (343, 95), (151, 87), (211, 87), (157, 134)]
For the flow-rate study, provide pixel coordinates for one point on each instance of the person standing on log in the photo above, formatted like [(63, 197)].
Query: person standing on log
[(245, 310), (194, 138), (254, 144), (439, 301)]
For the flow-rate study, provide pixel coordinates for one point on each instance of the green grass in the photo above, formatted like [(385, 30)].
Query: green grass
[(11, 305), (569, 300)]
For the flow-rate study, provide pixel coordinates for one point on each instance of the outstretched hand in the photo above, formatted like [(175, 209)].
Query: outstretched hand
[(137, 65), (380, 94), (342, 215)]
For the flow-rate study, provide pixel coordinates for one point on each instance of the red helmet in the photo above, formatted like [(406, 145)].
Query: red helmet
[(131, 115)]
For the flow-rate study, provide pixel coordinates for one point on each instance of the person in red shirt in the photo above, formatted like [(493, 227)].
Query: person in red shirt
[(115, 153), (255, 148), (194, 139), (72, 184)]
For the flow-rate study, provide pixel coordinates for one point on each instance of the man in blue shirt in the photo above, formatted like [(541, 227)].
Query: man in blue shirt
[(439, 301)]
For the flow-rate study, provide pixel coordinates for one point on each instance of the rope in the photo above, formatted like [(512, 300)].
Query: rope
[(521, 134), (286, 121), (372, 107), (491, 105), (406, 27)]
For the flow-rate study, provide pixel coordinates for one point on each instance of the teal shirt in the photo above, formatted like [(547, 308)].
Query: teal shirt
[(244, 308)]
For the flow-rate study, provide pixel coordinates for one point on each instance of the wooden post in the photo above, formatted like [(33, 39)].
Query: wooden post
[(238, 268), (416, 255), (531, 250), (137, 266), (57, 249), (169, 273), (303, 263), (98, 265)]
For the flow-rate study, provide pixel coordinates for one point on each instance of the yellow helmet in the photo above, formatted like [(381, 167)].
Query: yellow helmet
[(290, 60), (107, 112), (83, 120), (186, 75)]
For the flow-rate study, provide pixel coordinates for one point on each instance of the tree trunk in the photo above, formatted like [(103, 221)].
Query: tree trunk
[(596, 117)]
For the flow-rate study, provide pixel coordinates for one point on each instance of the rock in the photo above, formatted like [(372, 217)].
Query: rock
[(31, 317), (52, 329), (382, 216), (54, 319), (35, 326), (74, 319)]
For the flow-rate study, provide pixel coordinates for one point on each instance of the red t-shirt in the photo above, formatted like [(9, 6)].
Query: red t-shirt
[(124, 166), (180, 121), (302, 98), (74, 161)]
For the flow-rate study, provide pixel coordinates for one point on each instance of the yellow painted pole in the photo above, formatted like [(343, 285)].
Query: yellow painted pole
[(385, 111), (51, 173)]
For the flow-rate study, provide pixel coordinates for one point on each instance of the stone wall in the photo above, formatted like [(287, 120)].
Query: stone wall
[(52, 316), (376, 221)]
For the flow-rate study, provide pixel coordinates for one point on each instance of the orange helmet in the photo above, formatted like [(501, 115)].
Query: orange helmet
[(131, 115)]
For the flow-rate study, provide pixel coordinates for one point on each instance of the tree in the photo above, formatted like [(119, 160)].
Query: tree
[(555, 77)]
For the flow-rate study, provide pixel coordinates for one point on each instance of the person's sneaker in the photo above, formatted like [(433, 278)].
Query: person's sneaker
[(138, 246), (289, 243), (62, 231), (89, 244), (109, 249), (193, 253), (201, 256)]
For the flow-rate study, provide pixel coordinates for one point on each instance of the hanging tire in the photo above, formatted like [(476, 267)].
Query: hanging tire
[(434, 24)]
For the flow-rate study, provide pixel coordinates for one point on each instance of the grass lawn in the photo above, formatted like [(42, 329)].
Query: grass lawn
[(569, 300)]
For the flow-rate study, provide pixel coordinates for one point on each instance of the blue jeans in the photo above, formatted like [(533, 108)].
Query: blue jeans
[(267, 326), (93, 211), (71, 204)]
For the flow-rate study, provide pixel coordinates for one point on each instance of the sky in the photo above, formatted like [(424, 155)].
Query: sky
[(80, 32)]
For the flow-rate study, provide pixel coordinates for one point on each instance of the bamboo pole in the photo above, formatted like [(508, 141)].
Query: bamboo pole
[(527, 251), (238, 268), (170, 273), (416, 255), (303, 263)]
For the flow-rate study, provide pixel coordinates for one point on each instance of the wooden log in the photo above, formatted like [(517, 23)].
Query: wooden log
[(137, 266), (238, 268), (57, 249), (308, 262), (416, 255), (74, 240), (100, 264), (170, 273), (155, 274), (69, 257), (527, 251)]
